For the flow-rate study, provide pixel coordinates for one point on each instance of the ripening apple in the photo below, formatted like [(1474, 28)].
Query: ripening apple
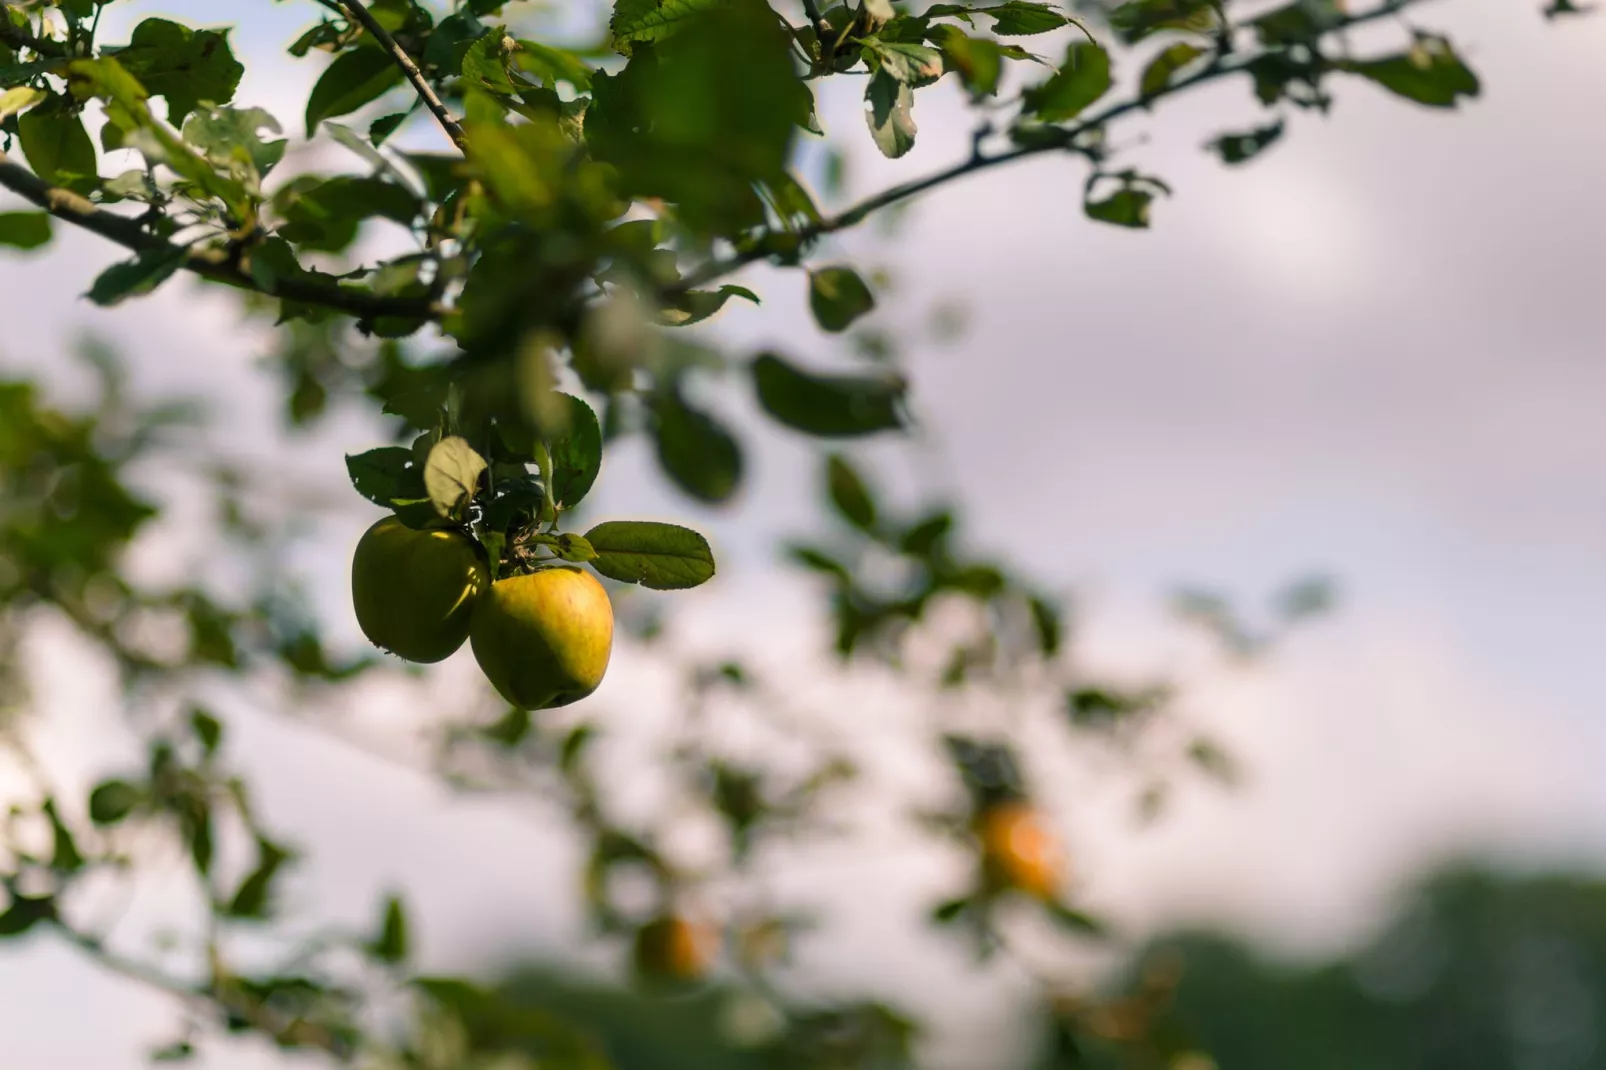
[(543, 639), (672, 949), (1019, 851), (414, 591)]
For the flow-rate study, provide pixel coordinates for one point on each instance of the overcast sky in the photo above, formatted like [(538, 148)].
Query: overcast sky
[(1378, 351)]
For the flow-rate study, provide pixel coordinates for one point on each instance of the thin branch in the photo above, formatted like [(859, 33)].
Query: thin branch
[(17, 37), (409, 69), (292, 1031), (1054, 139), (822, 29), (215, 264)]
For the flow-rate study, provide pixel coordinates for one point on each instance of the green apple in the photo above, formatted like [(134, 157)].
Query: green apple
[(414, 591)]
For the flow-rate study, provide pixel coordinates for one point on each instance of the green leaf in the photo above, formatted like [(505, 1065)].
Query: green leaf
[(574, 549), (24, 913), (977, 60), (494, 542), (1083, 78), (231, 138), (1158, 74), (19, 99), (698, 453), (638, 22), (113, 800), (325, 215), (576, 455), (1090, 707), (452, 475), (827, 406), (1564, 8), (837, 297), (1128, 206), (574, 745), (355, 78), (890, 114), (849, 493), (450, 41), (1213, 761), (176, 1052), (1124, 208), (254, 895), (925, 535), (195, 824), (207, 728), (511, 729), (1238, 148), (699, 118), (914, 65), (128, 112), (1430, 73), (136, 277), (1302, 22), (694, 306), (516, 503), (386, 125), (949, 910), (485, 65), (1302, 599), (818, 560), (415, 393), (1046, 620), (978, 581), (65, 856), (183, 65), (664, 557), (391, 944), (1075, 921), (1016, 18), (14, 73), (386, 475), (1137, 19), (551, 64), (24, 230), (57, 146), (793, 201)]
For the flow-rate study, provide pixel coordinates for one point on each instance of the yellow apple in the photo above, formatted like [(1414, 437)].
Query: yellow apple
[(543, 639)]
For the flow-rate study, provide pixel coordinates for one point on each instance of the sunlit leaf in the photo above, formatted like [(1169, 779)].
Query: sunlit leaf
[(452, 475), (665, 557)]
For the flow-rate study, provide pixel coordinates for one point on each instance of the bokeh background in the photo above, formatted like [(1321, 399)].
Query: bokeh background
[(1376, 352)]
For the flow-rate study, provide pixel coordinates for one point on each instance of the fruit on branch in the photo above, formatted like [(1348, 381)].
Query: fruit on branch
[(1019, 850), (543, 639), (414, 591), (672, 949)]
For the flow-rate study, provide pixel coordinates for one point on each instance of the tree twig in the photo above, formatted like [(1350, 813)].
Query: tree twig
[(822, 29), (409, 69), (1054, 139), (217, 265), (292, 1031)]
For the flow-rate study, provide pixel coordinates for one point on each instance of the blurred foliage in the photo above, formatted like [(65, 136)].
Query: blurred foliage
[(1477, 968), (592, 195)]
